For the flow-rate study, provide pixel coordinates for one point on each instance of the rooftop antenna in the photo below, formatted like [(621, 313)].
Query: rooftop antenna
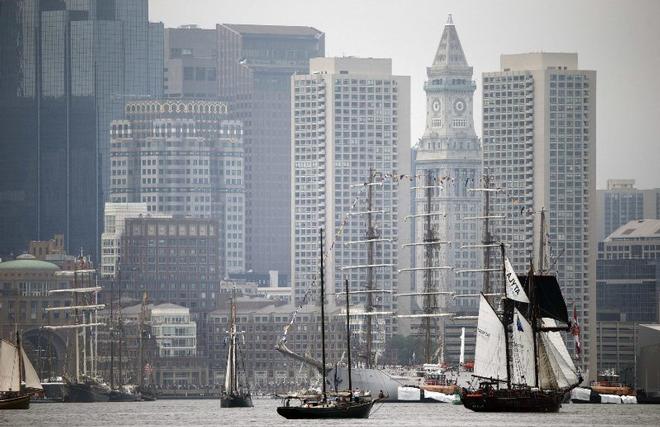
[(450, 21)]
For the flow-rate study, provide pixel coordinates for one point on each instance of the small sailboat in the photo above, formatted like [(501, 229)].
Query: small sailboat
[(234, 396), (18, 378), (346, 404), (521, 360)]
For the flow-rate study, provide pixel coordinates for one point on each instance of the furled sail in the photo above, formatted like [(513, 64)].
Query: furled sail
[(514, 290), (490, 351), (10, 379), (31, 378), (522, 351), (560, 360)]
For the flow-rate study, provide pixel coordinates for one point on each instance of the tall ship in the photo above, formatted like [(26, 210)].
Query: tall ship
[(84, 384), (18, 378), (521, 361), (235, 393)]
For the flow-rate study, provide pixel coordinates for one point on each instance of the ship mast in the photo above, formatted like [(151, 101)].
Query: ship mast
[(322, 313), (430, 242), (141, 341), (348, 336), (371, 235)]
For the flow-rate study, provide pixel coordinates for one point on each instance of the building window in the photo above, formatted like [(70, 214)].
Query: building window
[(436, 123), (459, 123)]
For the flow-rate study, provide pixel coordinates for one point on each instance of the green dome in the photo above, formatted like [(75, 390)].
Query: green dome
[(27, 263)]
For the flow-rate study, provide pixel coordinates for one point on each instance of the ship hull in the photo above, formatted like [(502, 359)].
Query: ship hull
[(84, 392), (17, 402), (122, 396), (56, 391), (376, 380), (512, 401), (356, 410), (241, 401)]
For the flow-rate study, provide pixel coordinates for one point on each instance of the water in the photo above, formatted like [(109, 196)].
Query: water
[(209, 413)]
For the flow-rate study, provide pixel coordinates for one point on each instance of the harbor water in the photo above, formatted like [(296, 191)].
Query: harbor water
[(209, 413)]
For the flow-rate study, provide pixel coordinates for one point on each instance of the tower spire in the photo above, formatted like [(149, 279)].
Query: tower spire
[(450, 52)]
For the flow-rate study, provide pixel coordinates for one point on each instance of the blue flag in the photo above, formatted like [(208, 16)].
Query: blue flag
[(518, 324)]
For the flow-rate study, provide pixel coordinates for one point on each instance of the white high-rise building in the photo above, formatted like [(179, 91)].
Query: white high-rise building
[(539, 143), (115, 215), (450, 153), (350, 116)]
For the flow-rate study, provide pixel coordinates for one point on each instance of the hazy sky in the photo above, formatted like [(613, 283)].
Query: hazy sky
[(618, 39)]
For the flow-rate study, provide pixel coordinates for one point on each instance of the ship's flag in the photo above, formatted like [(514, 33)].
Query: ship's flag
[(575, 331)]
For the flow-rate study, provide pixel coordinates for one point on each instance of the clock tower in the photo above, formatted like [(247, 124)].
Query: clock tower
[(449, 89), (450, 152)]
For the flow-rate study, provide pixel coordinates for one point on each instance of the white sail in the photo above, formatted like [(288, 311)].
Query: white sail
[(514, 289), (560, 360), (31, 378), (229, 374), (547, 378), (522, 351), (10, 379), (490, 351)]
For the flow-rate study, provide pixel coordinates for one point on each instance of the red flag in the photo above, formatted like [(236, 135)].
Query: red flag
[(575, 331)]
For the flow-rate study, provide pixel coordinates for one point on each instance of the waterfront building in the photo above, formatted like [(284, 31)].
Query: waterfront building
[(648, 368), (622, 202), (24, 286), (67, 67), (628, 293), (539, 145), (350, 118), (184, 158), (263, 324), (255, 65)]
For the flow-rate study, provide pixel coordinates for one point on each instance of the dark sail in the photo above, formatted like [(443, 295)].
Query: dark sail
[(548, 294)]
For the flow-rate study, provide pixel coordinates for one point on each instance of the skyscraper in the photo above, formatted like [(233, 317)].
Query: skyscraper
[(255, 65), (191, 62), (66, 67), (539, 143), (350, 119), (450, 152), (184, 158), (622, 202)]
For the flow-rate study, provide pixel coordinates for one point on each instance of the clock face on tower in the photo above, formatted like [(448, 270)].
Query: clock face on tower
[(459, 106), (436, 105)]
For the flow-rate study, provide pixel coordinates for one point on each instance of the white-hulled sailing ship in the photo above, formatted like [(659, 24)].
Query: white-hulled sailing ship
[(18, 379), (85, 385), (235, 393), (521, 361)]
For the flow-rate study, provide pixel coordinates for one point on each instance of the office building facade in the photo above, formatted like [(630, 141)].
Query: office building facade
[(621, 202), (628, 293), (539, 145), (184, 158), (350, 120), (66, 69), (255, 65)]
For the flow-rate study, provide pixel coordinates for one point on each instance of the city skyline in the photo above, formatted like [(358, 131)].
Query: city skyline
[(611, 41)]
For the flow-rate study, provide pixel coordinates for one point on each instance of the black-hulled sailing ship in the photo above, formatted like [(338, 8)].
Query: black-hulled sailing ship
[(18, 379), (521, 361), (85, 385), (345, 404), (235, 394)]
